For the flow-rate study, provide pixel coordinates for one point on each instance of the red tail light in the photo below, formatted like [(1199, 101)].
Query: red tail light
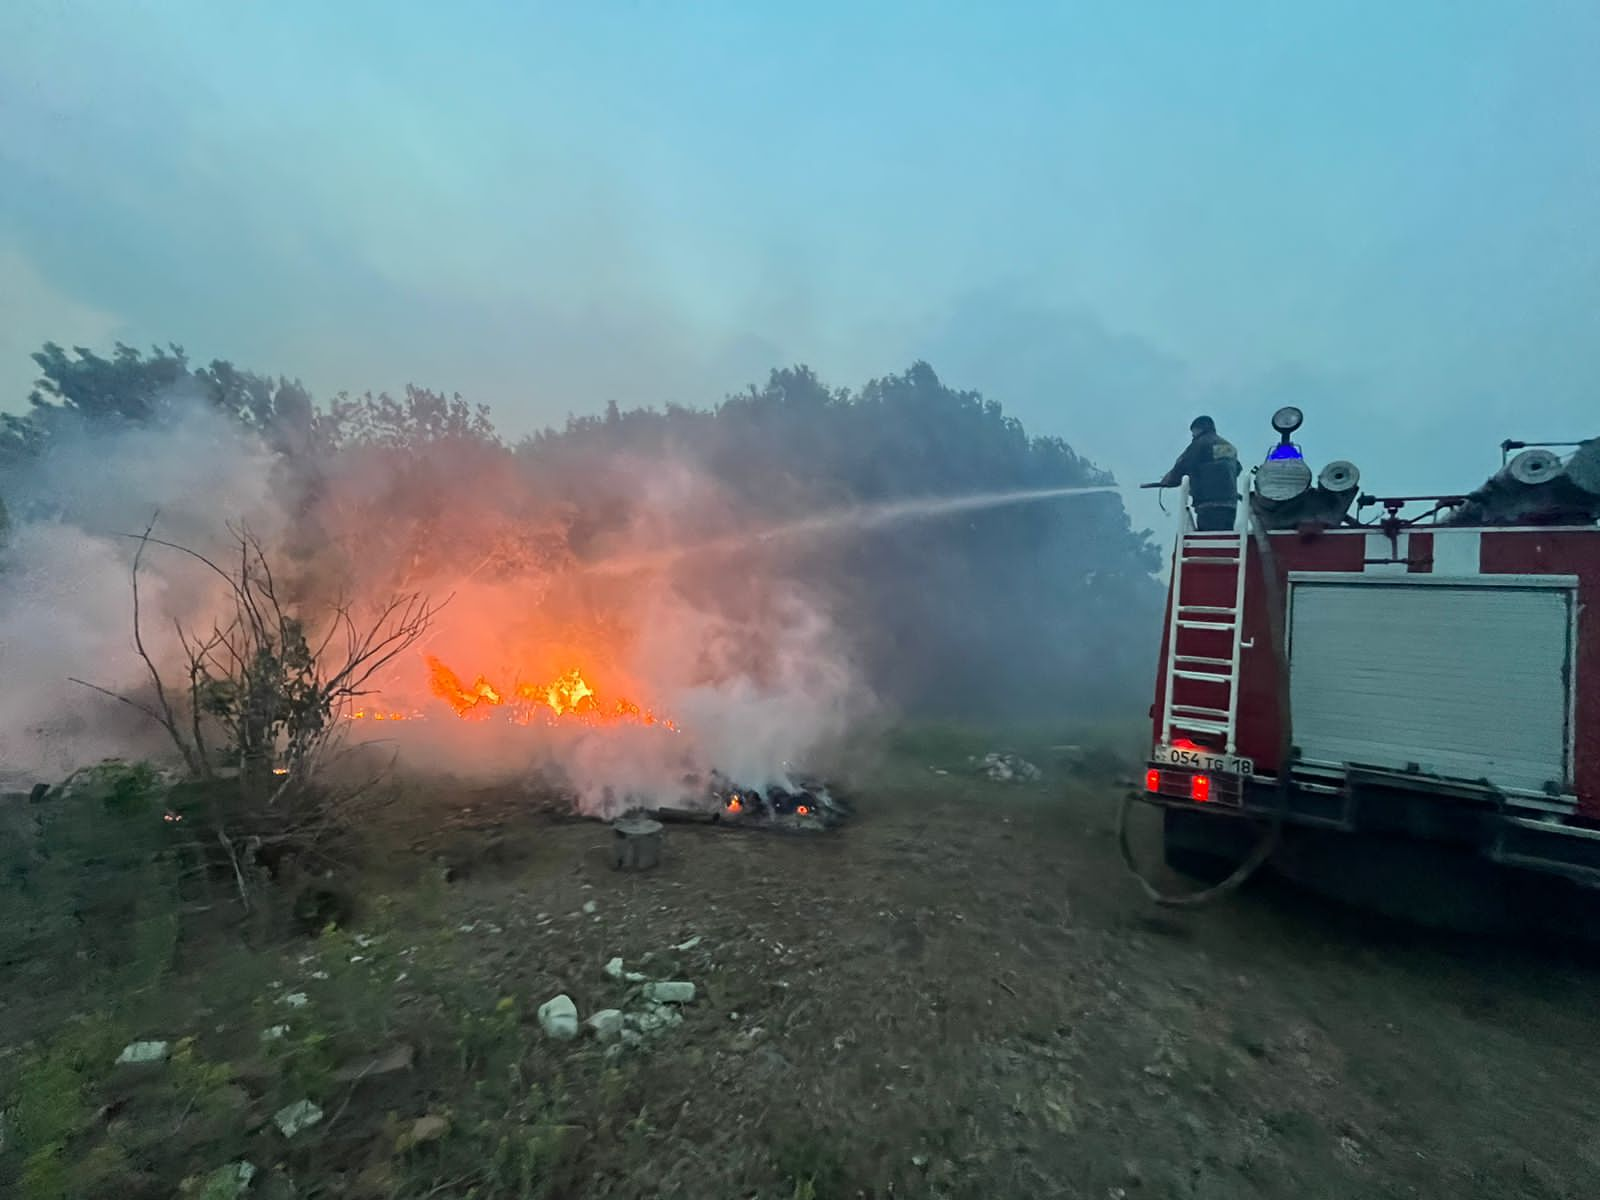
[(1200, 788), (1152, 780)]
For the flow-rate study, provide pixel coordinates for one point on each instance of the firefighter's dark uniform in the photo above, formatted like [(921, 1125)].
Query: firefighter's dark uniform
[(1212, 465)]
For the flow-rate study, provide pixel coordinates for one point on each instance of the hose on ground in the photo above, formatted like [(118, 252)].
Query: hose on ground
[(1265, 845)]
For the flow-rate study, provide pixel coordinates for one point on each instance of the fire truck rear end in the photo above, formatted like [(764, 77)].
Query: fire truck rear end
[(1420, 672)]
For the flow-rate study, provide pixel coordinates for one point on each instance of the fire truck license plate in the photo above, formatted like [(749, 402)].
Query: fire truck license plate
[(1205, 760)]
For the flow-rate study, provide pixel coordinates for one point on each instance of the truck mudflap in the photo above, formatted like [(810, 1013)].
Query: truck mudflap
[(1566, 850)]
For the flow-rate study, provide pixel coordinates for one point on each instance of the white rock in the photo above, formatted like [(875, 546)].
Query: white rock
[(429, 1129), (656, 1018), (297, 1117), (229, 1182), (690, 944), (297, 1000), (276, 1033), (615, 970), (144, 1052), (559, 1018), (606, 1024), (670, 992), (590, 908)]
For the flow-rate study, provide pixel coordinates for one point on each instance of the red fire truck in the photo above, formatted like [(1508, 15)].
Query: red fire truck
[(1392, 675)]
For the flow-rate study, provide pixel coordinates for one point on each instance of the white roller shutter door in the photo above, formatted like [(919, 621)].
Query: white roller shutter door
[(1467, 681)]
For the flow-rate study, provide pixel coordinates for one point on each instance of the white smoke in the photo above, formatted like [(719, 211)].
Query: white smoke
[(744, 661), (66, 609)]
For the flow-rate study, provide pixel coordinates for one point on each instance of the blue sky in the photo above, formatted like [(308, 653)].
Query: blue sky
[(1103, 215)]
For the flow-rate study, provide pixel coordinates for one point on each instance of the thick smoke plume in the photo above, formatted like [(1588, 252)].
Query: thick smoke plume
[(729, 664)]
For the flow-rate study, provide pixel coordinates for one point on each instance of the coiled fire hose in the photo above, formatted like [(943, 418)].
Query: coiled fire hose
[(1273, 828)]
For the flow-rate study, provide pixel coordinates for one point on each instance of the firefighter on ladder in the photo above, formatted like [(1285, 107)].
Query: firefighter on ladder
[(1212, 465)]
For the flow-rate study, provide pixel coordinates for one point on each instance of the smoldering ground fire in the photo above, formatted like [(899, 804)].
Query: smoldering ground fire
[(621, 687), (624, 606)]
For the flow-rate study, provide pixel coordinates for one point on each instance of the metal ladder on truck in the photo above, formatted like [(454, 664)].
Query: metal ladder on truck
[(1210, 556)]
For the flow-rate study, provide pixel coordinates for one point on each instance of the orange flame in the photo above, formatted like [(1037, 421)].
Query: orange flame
[(569, 696)]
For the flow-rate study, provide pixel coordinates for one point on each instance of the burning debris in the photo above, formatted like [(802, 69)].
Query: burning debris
[(806, 806)]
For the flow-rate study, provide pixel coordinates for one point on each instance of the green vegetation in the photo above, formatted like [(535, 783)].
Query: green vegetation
[(197, 913), (1007, 596)]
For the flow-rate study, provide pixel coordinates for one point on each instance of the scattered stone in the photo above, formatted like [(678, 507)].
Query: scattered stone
[(919, 1161), (670, 992), (426, 1129), (390, 1062), (297, 1000), (559, 1018), (297, 1117), (690, 944), (590, 908), (276, 1033), (228, 1183), (606, 1024), (656, 1018), (1009, 768), (142, 1053), (615, 970)]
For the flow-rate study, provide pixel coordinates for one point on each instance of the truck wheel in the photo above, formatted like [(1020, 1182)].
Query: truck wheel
[(1205, 847)]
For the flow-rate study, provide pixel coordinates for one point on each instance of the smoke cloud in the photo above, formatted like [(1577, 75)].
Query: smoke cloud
[(728, 664)]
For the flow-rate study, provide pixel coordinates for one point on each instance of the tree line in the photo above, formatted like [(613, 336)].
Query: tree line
[(1027, 609)]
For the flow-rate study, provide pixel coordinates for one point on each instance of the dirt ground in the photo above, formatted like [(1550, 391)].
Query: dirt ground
[(962, 994), (959, 994)]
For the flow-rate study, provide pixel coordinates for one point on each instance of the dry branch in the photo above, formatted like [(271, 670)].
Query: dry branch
[(271, 692)]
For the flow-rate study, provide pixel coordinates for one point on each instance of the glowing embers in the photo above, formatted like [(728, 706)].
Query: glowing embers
[(568, 697), (802, 805)]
